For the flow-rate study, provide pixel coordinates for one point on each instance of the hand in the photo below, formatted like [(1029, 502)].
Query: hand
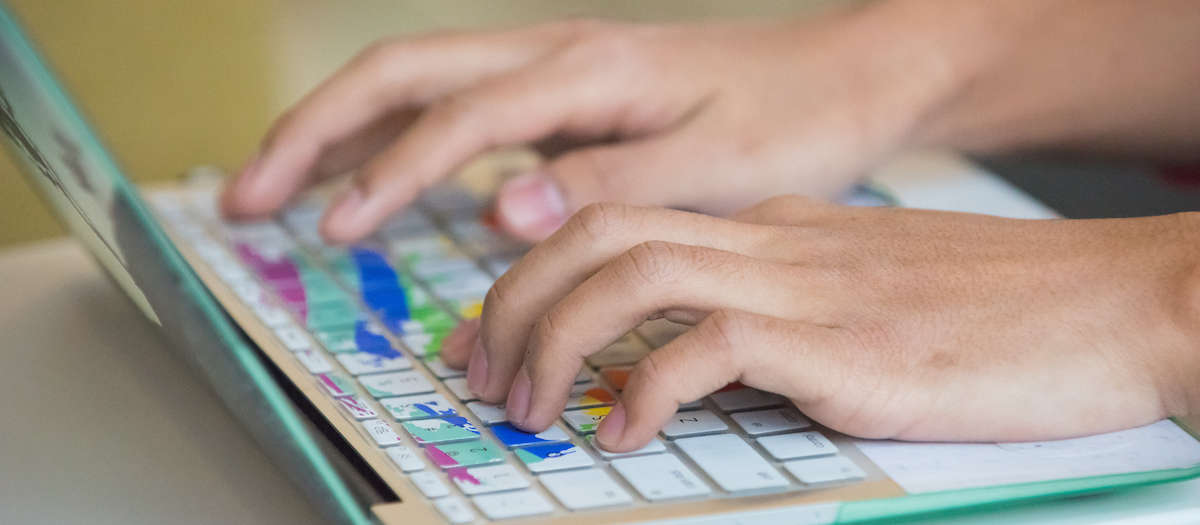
[(880, 323), (710, 117)]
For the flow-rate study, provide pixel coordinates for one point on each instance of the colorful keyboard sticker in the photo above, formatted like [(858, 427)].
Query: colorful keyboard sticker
[(423, 406), (585, 421), (357, 407), (466, 454), (364, 337), (294, 278), (585, 395), (433, 431), (337, 385), (513, 437), (554, 456)]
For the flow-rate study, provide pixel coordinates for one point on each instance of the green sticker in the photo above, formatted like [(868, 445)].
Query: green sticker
[(338, 340), (333, 315), (433, 431)]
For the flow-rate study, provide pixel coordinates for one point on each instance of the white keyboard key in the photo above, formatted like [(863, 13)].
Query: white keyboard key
[(359, 363), (420, 406), (745, 399), (293, 337), (270, 315), (661, 331), (492, 478), (314, 361), (429, 484), (731, 462), (455, 510), (487, 413), (383, 433), (585, 489), (248, 290), (770, 421), (513, 504), (824, 470), (653, 447), (691, 405), (800, 445), (396, 384), (405, 458), (660, 476), (458, 387), (693, 422), (442, 371), (357, 407)]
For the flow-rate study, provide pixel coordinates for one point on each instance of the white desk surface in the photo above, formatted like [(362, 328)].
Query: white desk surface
[(101, 424)]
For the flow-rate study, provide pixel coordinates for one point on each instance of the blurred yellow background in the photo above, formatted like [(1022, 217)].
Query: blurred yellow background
[(175, 84)]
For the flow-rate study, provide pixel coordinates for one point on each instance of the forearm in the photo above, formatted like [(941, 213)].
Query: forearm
[(1107, 75)]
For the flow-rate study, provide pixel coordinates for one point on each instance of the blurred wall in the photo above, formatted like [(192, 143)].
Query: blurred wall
[(173, 84)]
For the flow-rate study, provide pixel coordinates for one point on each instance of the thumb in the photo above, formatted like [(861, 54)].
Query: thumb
[(535, 204)]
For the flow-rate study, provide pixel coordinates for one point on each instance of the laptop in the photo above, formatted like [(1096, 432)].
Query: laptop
[(328, 356)]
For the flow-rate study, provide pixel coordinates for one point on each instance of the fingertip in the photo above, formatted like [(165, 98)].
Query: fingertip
[(456, 347), (531, 206), (612, 429), (343, 219)]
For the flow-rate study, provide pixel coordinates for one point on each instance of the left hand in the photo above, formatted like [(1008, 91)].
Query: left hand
[(876, 322)]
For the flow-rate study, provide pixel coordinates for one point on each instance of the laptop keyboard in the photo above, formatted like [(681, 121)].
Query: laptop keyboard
[(367, 322)]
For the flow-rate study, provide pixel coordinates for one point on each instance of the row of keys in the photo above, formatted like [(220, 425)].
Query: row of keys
[(474, 465)]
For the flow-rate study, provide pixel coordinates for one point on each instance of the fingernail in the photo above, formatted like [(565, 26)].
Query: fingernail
[(343, 212), (519, 398), (531, 203), (477, 370), (611, 429)]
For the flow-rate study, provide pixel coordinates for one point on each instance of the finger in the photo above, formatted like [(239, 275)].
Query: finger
[(352, 152), (516, 108), (649, 279), (456, 347), (383, 78), (802, 361), (559, 264), (534, 205), (787, 210)]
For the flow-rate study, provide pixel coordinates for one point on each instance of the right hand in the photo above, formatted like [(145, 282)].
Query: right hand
[(710, 117)]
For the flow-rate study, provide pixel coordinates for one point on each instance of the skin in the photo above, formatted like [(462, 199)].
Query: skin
[(961, 327)]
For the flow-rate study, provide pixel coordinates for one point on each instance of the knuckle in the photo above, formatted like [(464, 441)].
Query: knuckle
[(649, 372), (494, 301), (454, 109), (651, 262), (546, 332), (598, 221)]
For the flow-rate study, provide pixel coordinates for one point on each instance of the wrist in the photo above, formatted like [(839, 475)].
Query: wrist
[(924, 58)]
